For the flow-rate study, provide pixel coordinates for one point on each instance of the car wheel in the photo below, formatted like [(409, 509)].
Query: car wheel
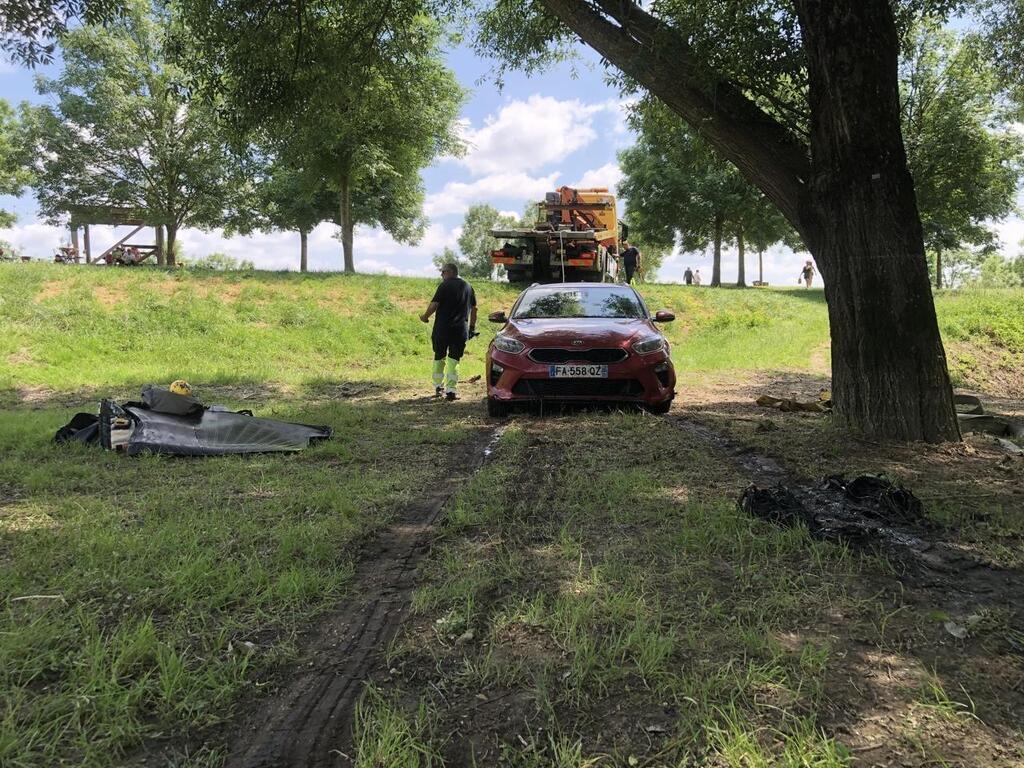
[(660, 408), (496, 408)]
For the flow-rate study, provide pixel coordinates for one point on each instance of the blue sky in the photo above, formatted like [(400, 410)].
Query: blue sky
[(564, 126)]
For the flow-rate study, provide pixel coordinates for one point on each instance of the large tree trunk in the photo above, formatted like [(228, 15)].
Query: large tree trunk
[(889, 374), (716, 258), (172, 236), (760, 266), (852, 200), (74, 238), (741, 275), (161, 252), (938, 268), (86, 244), (345, 219), (303, 250)]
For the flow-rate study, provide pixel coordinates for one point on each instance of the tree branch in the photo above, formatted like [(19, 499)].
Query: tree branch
[(659, 58)]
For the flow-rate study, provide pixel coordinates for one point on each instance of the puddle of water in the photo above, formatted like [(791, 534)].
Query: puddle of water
[(492, 443)]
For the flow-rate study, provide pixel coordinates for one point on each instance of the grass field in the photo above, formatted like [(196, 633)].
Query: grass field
[(620, 607)]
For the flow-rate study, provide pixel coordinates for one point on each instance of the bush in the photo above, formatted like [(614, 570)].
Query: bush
[(221, 262)]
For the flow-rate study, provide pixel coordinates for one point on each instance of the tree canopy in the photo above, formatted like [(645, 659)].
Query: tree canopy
[(121, 132), (359, 98), (14, 173), (963, 154)]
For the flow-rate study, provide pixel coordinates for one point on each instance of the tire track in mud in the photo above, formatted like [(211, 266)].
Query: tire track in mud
[(309, 722)]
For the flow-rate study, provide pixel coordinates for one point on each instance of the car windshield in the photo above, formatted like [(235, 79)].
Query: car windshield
[(599, 301)]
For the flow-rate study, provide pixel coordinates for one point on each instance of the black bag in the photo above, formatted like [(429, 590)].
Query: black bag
[(163, 400)]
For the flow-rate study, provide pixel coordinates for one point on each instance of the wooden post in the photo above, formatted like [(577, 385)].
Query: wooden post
[(160, 256), (74, 238), (85, 243)]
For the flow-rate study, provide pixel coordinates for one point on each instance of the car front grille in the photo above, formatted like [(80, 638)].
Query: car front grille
[(578, 388), (597, 355)]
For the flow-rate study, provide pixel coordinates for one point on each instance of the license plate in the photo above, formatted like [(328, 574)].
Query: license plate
[(578, 371)]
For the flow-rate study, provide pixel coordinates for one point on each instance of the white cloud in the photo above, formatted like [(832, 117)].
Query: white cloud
[(608, 175), (457, 196), (530, 134)]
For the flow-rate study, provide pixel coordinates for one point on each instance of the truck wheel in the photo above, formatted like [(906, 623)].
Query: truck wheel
[(497, 409)]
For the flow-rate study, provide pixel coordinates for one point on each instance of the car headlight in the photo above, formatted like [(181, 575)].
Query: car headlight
[(648, 345), (508, 344)]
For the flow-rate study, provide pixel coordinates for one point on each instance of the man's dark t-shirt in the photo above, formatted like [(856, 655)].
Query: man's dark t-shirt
[(629, 257), (455, 299)]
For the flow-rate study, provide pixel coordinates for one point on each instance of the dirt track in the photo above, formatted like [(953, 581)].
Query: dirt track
[(309, 722)]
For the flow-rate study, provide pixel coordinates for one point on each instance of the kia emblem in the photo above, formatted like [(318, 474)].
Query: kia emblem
[(577, 342)]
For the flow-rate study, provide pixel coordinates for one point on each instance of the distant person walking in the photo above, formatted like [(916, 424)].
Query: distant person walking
[(696, 277), (807, 274), (688, 276), (455, 304), (630, 260)]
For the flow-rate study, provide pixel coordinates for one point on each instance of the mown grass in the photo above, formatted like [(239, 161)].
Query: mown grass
[(67, 328)]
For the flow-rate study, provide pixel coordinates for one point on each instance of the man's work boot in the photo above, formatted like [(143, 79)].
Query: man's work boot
[(438, 391), (451, 396)]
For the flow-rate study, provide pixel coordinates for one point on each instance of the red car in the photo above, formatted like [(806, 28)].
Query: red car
[(579, 342)]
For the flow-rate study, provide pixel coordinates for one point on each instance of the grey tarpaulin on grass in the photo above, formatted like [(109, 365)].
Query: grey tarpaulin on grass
[(214, 431)]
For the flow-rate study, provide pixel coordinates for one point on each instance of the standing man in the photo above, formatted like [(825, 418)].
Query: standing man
[(688, 276), (455, 305), (630, 260)]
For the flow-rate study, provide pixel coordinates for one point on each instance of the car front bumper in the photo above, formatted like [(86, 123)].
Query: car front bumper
[(643, 379)]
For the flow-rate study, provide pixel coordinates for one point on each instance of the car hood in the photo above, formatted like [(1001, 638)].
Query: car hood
[(563, 331)]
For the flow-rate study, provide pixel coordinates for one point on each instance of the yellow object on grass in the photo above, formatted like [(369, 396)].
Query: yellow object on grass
[(181, 387)]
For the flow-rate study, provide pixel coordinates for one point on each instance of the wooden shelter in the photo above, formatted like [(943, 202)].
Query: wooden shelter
[(115, 216)]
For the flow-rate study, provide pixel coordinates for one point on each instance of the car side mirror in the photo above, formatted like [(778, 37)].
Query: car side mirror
[(497, 317), (664, 316)]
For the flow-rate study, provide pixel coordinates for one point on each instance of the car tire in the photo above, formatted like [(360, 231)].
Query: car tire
[(497, 409), (661, 408)]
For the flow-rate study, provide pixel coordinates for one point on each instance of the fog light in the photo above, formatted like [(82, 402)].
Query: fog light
[(496, 371)]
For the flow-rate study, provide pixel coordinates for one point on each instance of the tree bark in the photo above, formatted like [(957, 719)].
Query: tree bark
[(303, 250), (850, 196), (938, 269), (161, 253), (74, 238), (716, 262), (172, 236), (760, 266), (345, 219), (741, 275), (889, 375), (86, 244)]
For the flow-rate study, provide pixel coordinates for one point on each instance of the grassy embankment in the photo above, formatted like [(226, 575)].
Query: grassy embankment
[(155, 574)]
